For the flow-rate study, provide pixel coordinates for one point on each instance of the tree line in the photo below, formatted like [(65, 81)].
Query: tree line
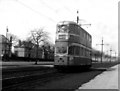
[(38, 38)]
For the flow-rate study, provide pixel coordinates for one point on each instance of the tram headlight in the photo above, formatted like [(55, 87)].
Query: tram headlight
[(67, 36)]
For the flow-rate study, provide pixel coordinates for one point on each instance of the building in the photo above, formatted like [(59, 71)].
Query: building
[(28, 49), (5, 47)]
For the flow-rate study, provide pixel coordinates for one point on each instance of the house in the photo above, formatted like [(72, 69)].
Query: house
[(5, 47), (28, 49)]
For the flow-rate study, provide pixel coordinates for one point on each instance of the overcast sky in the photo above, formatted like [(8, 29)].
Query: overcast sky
[(22, 16)]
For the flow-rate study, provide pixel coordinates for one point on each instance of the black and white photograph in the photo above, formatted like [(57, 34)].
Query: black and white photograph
[(59, 45)]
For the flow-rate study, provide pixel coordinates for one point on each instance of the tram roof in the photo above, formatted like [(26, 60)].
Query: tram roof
[(70, 22), (66, 22)]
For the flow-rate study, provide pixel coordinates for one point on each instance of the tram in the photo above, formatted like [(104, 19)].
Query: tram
[(73, 46)]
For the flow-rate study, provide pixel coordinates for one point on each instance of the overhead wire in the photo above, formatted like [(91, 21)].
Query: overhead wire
[(49, 18), (55, 11), (41, 14), (65, 7)]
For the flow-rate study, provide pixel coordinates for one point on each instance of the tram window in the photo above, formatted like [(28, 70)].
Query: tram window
[(61, 50), (77, 50), (80, 51), (83, 52), (87, 53), (71, 50), (90, 54), (62, 28), (90, 40), (84, 35)]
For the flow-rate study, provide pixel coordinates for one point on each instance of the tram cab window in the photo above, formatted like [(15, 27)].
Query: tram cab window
[(61, 50), (62, 29)]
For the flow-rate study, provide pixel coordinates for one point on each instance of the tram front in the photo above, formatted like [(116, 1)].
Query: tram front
[(61, 45)]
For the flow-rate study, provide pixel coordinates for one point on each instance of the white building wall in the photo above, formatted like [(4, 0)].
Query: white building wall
[(21, 52)]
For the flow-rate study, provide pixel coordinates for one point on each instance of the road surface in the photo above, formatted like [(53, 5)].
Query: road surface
[(92, 79)]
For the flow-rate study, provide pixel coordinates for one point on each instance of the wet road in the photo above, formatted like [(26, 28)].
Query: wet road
[(62, 80), (70, 80)]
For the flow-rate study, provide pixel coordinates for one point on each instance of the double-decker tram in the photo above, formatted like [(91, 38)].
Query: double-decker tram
[(72, 46)]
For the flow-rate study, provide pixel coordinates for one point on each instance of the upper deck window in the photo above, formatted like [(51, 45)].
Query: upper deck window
[(62, 29)]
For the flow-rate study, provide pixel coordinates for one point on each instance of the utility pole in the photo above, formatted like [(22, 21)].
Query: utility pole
[(115, 56), (6, 44), (107, 55), (102, 49), (110, 53)]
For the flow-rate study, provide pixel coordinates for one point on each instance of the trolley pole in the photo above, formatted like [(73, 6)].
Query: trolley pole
[(77, 17)]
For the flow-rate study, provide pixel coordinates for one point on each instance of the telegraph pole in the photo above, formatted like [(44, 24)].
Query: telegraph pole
[(107, 55), (115, 56), (102, 49), (6, 43), (110, 53)]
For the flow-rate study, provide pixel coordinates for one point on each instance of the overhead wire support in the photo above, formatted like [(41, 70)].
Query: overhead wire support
[(110, 53), (102, 44)]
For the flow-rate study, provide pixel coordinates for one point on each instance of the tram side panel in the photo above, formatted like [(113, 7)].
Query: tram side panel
[(78, 55)]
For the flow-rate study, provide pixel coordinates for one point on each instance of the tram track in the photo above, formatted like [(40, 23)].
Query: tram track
[(41, 80), (16, 78), (42, 75)]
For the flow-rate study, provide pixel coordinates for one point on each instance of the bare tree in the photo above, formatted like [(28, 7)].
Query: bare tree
[(14, 39), (38, 36), (48, 48)]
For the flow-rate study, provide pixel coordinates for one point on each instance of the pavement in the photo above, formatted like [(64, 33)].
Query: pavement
[(106, 80), (14, 64)]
